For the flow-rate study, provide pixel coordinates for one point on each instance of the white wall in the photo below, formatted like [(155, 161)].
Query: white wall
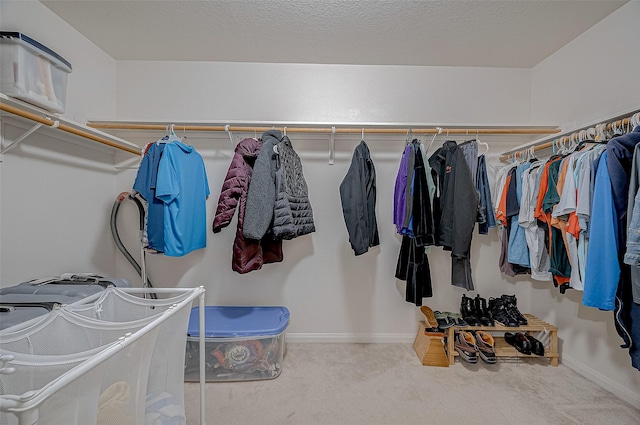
[(593, 77), (321, 93), (328, 290), (56, 196)]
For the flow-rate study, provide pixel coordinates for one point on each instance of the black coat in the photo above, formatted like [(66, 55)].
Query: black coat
[(459, 210), (358, 196), (413, 263)]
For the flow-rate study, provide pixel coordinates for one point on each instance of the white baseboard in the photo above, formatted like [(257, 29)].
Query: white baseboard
[(352, 338), (623, 393)]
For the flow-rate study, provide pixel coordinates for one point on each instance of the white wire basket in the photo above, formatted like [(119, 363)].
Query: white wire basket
[(112, 358)]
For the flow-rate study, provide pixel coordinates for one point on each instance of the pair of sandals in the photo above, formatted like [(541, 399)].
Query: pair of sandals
[(447, 319)]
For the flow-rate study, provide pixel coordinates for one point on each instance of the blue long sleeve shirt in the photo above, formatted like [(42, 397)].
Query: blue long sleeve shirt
[(602, 274)]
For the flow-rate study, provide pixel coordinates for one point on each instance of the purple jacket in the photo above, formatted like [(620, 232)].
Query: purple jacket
[(248, 254), (400, 192)]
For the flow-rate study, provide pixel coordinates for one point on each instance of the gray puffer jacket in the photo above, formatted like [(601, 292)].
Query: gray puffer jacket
[(292, 213)]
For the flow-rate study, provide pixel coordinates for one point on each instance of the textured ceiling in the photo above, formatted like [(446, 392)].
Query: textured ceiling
[(515, 33)]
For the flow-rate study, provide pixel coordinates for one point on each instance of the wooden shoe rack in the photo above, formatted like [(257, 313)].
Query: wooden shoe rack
[(505, 350)]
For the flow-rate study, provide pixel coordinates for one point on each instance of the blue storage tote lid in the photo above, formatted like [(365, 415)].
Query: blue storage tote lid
[(239, 321)]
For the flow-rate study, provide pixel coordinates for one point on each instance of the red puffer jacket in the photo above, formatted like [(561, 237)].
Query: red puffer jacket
[(248, 254)]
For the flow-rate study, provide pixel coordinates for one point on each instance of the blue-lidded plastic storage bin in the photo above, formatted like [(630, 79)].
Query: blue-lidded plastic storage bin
[(241, 342), (239, 321)]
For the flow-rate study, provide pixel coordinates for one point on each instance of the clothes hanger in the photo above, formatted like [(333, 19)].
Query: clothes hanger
[(617, 131), (164, 138), (433, 139), (172, 135), (486, 145), (362, 137), (184, 137)]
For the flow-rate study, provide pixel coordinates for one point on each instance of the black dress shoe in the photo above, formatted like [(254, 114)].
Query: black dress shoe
[(519, 341), (537, 347), (468, 311)]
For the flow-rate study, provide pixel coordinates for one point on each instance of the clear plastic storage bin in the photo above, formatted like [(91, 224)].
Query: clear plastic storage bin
[(242, 343), (32, 72)]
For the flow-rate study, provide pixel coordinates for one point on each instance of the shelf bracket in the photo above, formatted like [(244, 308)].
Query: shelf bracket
[(24, 136)]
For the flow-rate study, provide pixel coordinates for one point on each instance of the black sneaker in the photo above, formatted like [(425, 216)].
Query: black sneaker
[(510, 303), (500, 314)]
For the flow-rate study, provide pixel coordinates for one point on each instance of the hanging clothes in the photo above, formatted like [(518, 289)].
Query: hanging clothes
[(358, 198), (470, 151), (559, 260), (413, 267), (248, 254), (518, 251), (632, 254), (586, 175), (486, 217), (601, 278), (501, 216), (627, 312), (183, 187), (407, 227), (459, 210), (421, 216), (261, 196), (534, 234), (512, 210), (145, 185), (292, 213), (413, 263), (565, 213), (431, 186), (400, 190)]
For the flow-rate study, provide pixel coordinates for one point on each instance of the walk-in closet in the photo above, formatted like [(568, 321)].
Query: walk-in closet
[(340, 212)]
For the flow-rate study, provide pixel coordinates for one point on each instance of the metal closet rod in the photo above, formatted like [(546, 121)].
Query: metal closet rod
[(56, 124), (513, 155), (325, 130)]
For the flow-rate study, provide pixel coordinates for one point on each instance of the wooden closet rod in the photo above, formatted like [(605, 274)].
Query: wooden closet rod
[(545, 145), (51, 123), (325, 130)]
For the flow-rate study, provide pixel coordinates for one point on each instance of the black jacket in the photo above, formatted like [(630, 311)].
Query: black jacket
[(459, 209), (358, 196)]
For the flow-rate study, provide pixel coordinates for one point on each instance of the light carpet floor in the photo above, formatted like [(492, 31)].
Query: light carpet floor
[(353, 384)]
